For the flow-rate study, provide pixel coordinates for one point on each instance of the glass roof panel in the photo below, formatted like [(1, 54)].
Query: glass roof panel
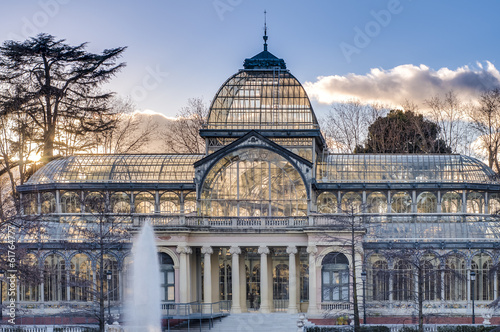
[(403, 168), (262, 99), (118, 169)]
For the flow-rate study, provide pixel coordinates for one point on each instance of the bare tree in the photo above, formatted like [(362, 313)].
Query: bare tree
[(346, 124), (486, 120), (130, 133), (183, 136), (449, 112)]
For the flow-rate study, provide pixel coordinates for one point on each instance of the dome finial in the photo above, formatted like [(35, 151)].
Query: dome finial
[(265, 31)]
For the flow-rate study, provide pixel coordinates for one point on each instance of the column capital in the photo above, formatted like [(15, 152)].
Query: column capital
[(235, 250), (184, 250), (312, 249), (263, 250), (207, 250), (291, 250)]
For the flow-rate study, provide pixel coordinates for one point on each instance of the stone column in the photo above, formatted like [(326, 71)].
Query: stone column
[(207, 274), (264, 282), (235, 279), (292, 280), (313, 305), (184, 281)]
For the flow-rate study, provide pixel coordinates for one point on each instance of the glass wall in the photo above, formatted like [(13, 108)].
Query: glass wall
[(252, 183)]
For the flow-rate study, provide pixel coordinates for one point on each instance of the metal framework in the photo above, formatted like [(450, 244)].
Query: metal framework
[(118, 169), (262, 99), (408, 168)]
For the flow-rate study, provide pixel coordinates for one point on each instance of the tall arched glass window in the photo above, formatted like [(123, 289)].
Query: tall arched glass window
[(71, 202), (190, 203), (451, 202), (378, 279), (494, 204), (482, 264), (327, 202), (351, 202), (253, 182), (426, 203), (376, 203), (167, 277), (110, 264), (401, 202), (120, 202), (29, 204), (403, 281), (430, 272), (144, 203), (280, 282), (54, 278), (455, 279), (81, 278), (95, 202), (48, 202), (335, 277), (170, 203), (29, 287), (475, 202)]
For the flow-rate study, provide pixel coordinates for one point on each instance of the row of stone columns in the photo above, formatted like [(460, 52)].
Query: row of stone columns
[(238, 269)]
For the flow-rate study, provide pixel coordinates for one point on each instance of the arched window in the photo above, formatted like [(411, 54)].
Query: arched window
[(403, 281), (304, 282), (170, 203), (379, 279), (455, 279), (29, 288), (29, 204), (351, 202), (431, 275), (475, 202), (482, 264), (190, 203), (120, 202), (451, 202), (110, 264), (95, 202), (81, 278), (253, 182), (335, 277), (494, 204), (376, 203), (167, 277), (144, 203), (280, 282), (327, 202), (401, 202), (54, 278), (426, 203), (48, 202), (70, 202)]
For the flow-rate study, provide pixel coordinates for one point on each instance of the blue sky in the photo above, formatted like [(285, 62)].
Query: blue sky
[(370, 50)]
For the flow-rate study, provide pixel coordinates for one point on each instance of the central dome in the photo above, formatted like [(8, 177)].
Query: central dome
[(262, 96)]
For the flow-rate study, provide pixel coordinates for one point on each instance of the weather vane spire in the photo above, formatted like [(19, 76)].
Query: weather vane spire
[(265, 31)]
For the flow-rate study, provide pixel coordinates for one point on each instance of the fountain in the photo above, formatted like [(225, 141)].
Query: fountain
[(143, 304)]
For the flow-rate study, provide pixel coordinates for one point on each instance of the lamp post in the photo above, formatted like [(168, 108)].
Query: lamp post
[(363, 277), (1, 295), (108, 275), (472, 279)]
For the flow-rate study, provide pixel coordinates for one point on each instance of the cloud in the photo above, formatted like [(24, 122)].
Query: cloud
[(405, 82)]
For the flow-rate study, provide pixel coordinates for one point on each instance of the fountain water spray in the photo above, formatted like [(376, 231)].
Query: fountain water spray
[(143, 305)]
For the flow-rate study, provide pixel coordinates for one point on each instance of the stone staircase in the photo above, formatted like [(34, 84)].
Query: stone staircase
[(247, 322)]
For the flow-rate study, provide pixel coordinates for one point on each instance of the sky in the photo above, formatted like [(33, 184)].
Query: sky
[(385, 51)]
